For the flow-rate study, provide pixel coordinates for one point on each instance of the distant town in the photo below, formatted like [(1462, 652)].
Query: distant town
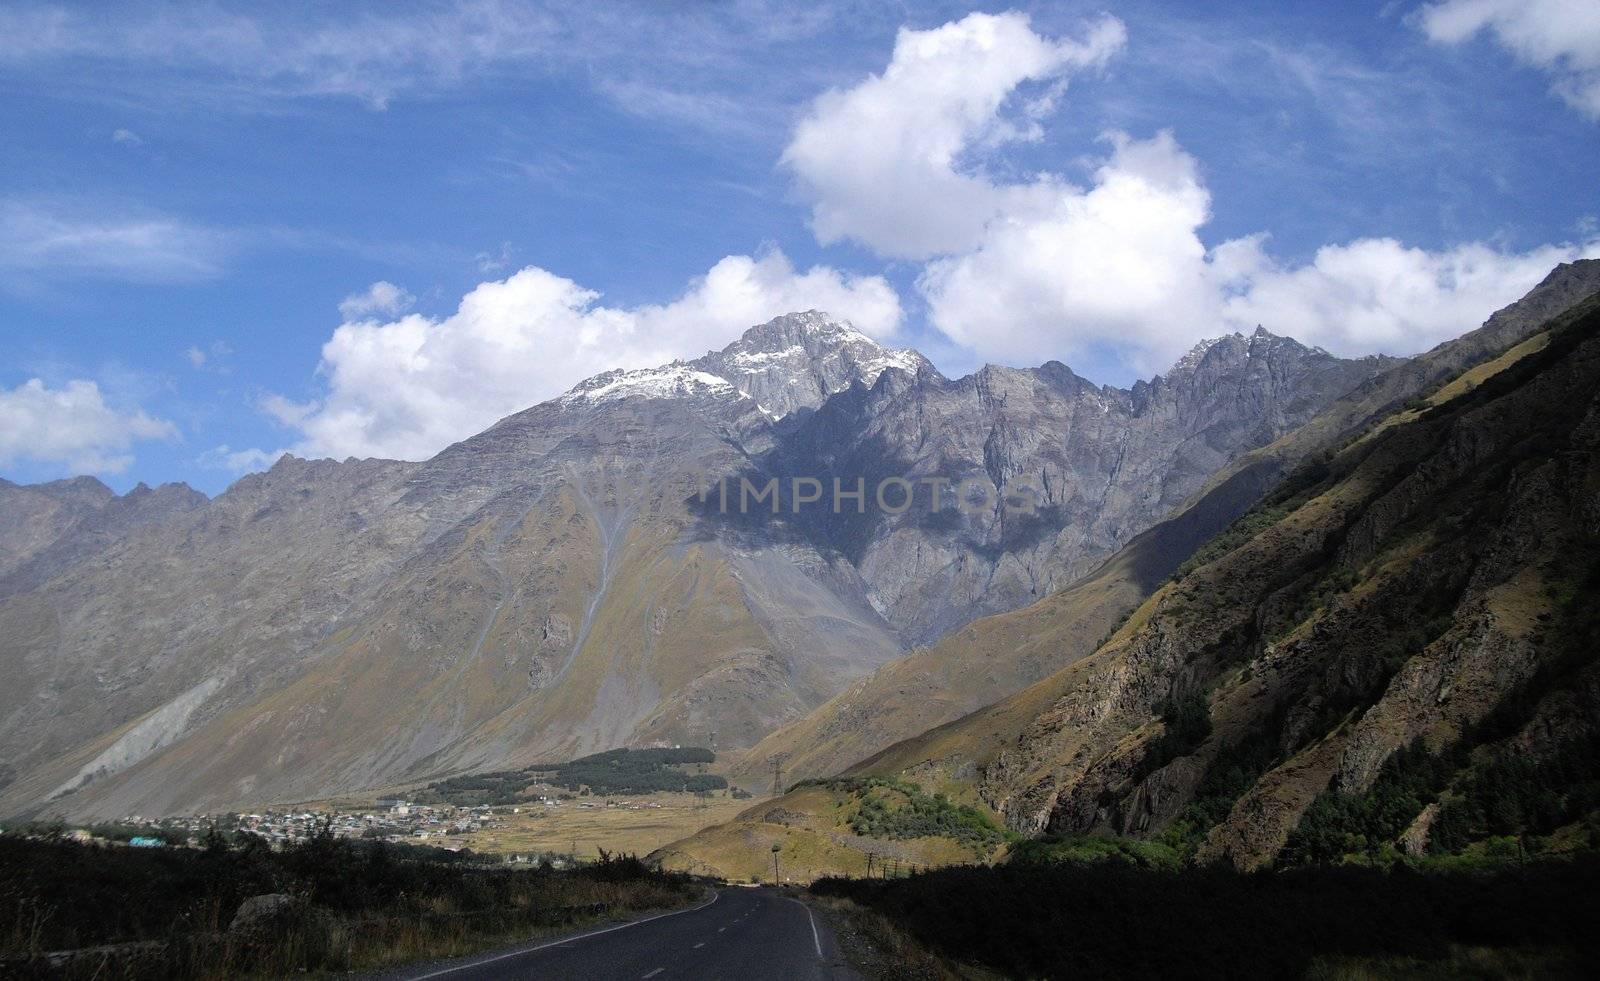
[(533, 814), (393, 820)]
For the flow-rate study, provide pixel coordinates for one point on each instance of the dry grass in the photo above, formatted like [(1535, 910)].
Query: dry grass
[(879, 949), (809, 827), (571, 828)]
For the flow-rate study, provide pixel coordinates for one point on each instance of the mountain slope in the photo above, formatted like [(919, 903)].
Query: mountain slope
[(994, 657), (558, 584), (1060, 472), (1393, 649), (1409, 595), (34, 517)]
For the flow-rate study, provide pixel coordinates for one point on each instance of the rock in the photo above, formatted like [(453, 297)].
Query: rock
[(260, 915), (1414, 840)]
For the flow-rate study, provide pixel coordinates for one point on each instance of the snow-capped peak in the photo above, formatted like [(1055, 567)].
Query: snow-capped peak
[(668, 381), (797, 360)]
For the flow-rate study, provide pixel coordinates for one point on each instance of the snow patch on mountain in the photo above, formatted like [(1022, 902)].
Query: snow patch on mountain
[(675, 380)]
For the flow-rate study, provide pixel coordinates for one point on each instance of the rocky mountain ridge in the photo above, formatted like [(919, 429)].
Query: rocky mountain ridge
[(1387, 651), (548, 587)]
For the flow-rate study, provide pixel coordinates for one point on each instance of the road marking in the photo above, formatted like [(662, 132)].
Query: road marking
[(816, 938), (698, 945), (715, 895), (655, 972), (720, 929)]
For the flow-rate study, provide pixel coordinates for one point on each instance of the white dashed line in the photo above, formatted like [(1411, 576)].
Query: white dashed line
[(655, 972)]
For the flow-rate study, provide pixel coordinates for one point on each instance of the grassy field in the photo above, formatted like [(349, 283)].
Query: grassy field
[(630, 825), (810, 827)]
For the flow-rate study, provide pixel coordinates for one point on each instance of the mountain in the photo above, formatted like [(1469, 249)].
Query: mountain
[(561, 583), (1072, 470), (991, 658), (1393, 648), (796, 362), (33, 517)]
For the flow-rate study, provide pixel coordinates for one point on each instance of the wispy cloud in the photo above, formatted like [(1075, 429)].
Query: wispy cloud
[(212, 357), (226, 458), (691, 62), (372, 57), (380, 298), (1561, 37), (76, 239)]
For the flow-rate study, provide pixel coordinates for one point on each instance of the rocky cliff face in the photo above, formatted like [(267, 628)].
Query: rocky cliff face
[(795, 362), (32, 518), (1062, 472), (1084, 745), (557, 585), (1416, 591)]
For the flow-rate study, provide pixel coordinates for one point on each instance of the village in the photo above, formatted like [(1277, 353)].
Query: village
[(397, 820)]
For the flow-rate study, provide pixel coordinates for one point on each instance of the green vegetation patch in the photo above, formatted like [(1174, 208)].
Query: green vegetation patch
[(616, 771), (1248, 526), (892, 808), (1092, 849), (635, 771)]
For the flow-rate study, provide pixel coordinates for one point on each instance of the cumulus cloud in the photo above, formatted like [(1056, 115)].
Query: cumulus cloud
[(1023, 272), (35, 238), (408, 387), (1122, 267), (1377, 295), (72, 427), (1119, 264), (1560, 36), (381, 297), (885, 162)]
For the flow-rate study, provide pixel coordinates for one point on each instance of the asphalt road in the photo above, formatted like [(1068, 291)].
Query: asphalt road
[(740, 933)]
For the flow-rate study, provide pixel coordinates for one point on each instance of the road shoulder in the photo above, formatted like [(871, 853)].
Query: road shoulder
[(421, 970)]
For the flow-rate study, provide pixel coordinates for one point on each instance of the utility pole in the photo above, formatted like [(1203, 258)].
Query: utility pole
[(775, 849), (777, 773)]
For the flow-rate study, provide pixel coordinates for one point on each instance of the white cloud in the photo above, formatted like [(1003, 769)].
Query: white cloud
[(210, 357), (72, 427), (1121, 267), (1377, 295), (885, 162), (1560, 36), (224, 457), (1118, 265), (1118, 270), (380, 298), (412, 386), (77, 240), (126, 137)]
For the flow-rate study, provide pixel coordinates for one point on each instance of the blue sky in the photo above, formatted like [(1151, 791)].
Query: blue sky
[(189, 193)]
